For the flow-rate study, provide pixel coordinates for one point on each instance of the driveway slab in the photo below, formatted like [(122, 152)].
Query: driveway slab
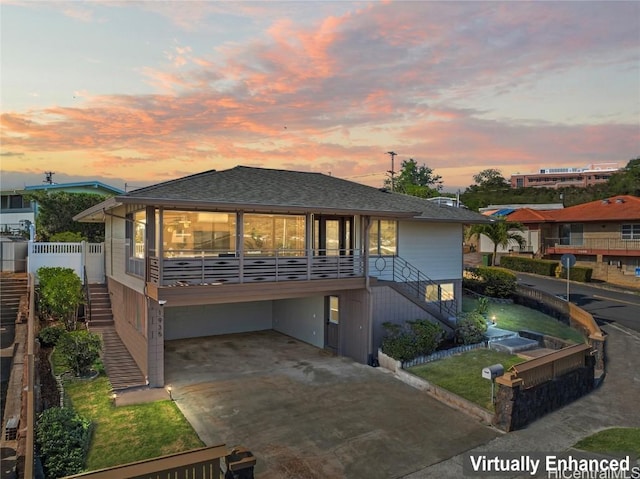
[(307, 414)]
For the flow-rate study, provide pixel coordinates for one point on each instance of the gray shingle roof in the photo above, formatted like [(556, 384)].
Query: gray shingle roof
[(261, 187)]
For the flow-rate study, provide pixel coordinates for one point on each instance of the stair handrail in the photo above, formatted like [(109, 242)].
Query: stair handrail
[(87, 294), (416, 282)]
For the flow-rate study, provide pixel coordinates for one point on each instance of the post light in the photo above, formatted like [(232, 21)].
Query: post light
[(493, 319), (114, 396), (169, 389)]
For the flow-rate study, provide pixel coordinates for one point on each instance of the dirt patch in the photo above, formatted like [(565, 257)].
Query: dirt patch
[(49, 394)]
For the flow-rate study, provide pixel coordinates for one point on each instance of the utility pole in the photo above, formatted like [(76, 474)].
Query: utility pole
[(392, 171), (48, 177)]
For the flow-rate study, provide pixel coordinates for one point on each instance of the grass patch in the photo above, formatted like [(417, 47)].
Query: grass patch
[(515, 317), (128, 433), (462, 374), (614, 440)]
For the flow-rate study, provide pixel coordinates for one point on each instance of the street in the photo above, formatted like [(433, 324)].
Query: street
[(606, 306)]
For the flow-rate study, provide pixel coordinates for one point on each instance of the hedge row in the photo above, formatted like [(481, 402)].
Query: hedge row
[(544, 267), (578, 273)]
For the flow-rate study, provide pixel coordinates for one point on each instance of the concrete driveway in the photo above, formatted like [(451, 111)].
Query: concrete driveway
[(307, 414)]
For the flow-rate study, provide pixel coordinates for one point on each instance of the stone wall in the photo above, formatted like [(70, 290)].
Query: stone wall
[(516, 406)]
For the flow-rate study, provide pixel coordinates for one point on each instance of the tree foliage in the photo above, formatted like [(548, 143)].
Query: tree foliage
[(56, 212), (501, 232), (627, 180), (491, 188), (416, 180), (60, 294)]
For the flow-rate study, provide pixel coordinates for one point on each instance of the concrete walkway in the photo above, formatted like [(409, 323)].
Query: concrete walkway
[(613, 404)]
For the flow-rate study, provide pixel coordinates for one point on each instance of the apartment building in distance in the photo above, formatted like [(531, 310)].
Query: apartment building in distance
[(560, 177)]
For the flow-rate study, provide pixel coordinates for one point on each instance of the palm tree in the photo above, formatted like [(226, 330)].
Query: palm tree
[(500, 232)]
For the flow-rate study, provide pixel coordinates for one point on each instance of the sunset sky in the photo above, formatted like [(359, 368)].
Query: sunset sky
[(142, 92)]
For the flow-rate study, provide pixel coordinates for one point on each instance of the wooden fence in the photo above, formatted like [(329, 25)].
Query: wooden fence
[(203, 463), (546, 368)]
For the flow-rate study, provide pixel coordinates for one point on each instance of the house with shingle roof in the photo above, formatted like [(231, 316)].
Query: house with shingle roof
[(315, 257)]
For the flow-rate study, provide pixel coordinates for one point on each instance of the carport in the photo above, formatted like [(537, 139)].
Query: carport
[(306, 413)]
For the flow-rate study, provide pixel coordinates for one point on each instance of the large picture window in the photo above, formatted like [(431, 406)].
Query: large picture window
[(194, 233), (268, 234), (383, 237)]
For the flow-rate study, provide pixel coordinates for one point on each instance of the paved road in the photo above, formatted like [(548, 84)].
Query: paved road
[(607, 305)]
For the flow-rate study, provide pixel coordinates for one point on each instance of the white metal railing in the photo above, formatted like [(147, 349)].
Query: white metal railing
[(76, 256), (255, 267)]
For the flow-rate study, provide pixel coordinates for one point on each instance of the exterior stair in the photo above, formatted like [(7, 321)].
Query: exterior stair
[(122, 370), (100, 304), (12, 288)]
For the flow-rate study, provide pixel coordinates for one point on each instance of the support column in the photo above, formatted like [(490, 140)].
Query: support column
[(155, 343)]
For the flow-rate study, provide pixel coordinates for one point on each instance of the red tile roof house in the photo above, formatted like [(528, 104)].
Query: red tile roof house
[(315, 257), (603, 234)]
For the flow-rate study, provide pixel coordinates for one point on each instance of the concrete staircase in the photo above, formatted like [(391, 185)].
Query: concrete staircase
[(12, 288), (122, 370)]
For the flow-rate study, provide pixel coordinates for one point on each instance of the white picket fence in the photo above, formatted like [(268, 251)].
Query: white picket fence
[(76, 256)]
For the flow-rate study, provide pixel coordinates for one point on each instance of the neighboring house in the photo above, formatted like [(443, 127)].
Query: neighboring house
[(17, 212), (561, 177), (318, 258), (604, 232), (532, 241)]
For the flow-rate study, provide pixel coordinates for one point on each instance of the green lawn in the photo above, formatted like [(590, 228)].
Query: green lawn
[(462, 374), (614, 440), (515, 317), (128, 433)]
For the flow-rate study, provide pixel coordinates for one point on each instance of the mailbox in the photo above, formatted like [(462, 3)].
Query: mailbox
[(493, 371)]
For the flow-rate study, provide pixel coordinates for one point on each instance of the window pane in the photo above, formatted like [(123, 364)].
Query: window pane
[(431, 293), (266, 234), (446, 292), (388, 237), (139, 227), (373, 238), (334, 309), (189, 233)]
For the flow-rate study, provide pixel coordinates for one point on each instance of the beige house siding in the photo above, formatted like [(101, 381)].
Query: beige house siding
[(130, 317)]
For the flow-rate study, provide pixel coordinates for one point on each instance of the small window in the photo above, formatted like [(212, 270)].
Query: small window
[(334, 309), (439, 292)]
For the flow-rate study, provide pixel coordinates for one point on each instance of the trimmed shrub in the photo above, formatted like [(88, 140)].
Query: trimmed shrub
[(63, 439), (427, 336), (50, 336), (471, 328), (414, 338), (542, 267), (80, 349), (490, 281), (578, 273)]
